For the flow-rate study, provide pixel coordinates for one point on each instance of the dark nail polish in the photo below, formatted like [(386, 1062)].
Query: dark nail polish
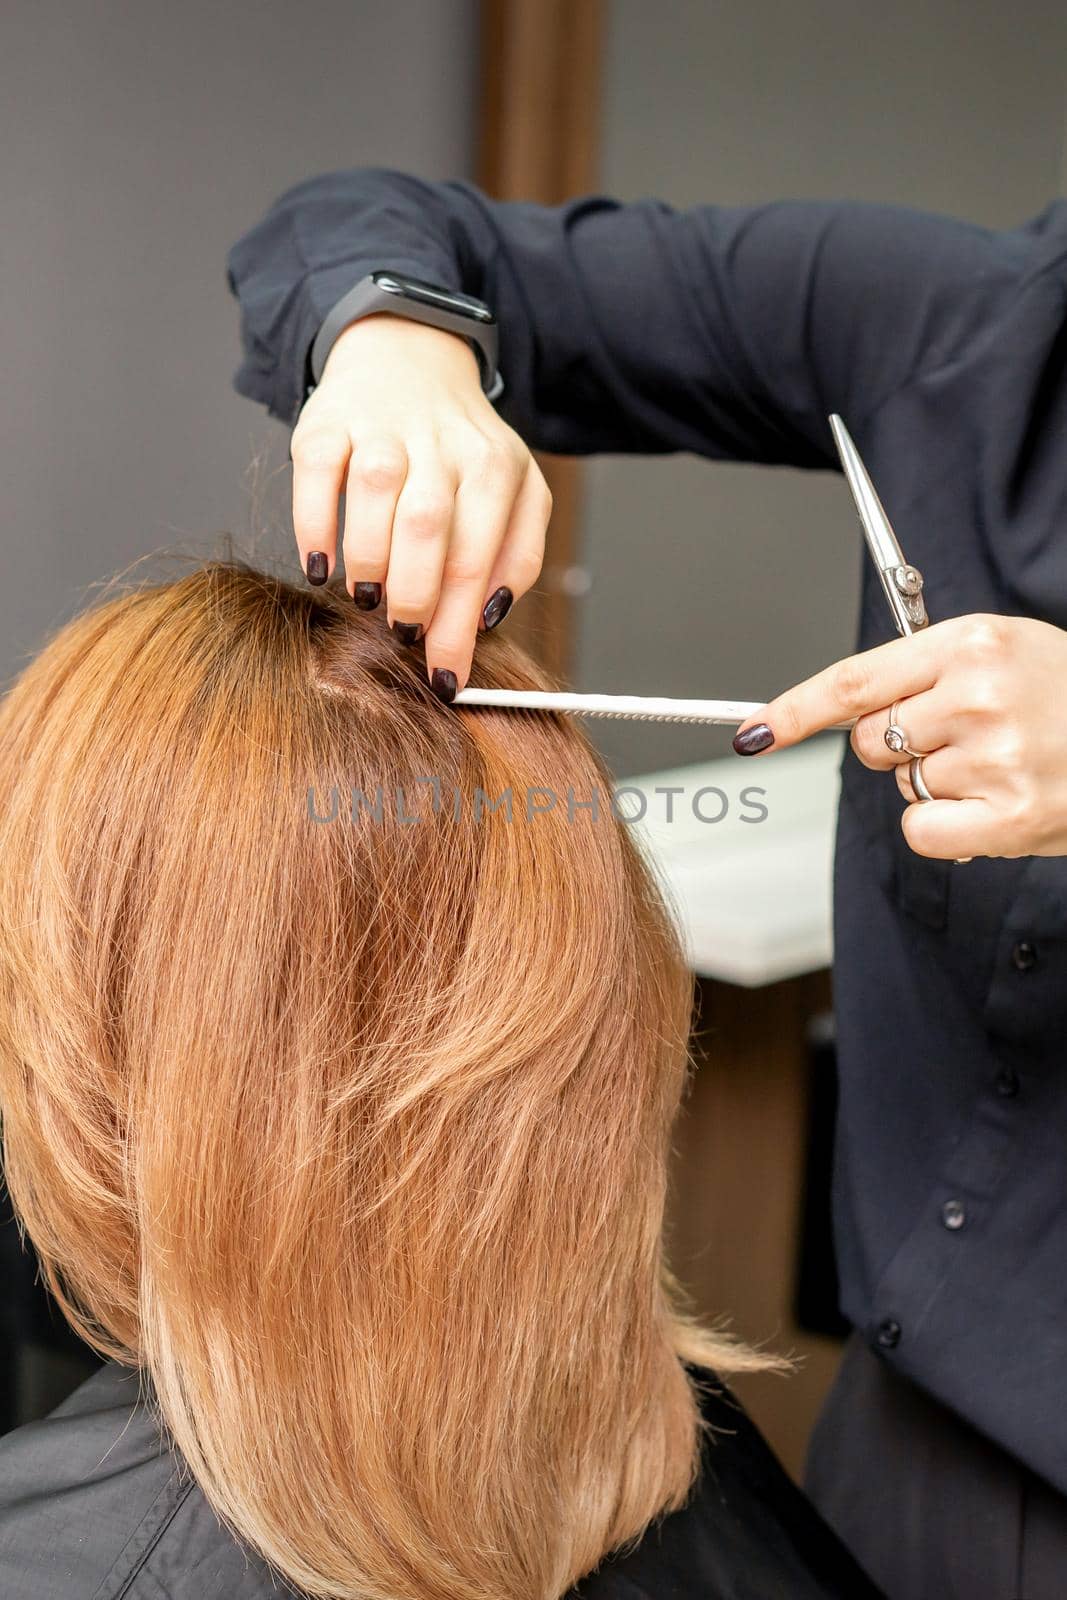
[(443, 684), (367, 596), (753, 740), (318, 566), (408, 632), (497, 606)]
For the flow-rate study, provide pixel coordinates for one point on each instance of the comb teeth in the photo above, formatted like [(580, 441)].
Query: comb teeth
[(638, 716), (633, 707)]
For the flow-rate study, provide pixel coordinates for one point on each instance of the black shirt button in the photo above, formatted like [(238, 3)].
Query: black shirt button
[(888, 1334), (953, 1215), (1007, 1083), (1024, 956)]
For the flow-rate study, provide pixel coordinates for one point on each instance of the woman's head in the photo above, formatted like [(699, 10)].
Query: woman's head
[(336, 1089)]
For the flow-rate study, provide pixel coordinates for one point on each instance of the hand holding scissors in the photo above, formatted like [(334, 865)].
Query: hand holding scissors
[(967, 713)]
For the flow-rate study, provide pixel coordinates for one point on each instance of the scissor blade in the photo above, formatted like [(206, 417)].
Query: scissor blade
[(903, 584), (876, 525)]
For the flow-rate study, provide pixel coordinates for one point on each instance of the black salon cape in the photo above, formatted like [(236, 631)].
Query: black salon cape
[(94, 1507)]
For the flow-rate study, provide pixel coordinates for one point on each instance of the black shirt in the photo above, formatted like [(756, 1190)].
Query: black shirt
[(96, 1505), (732, 332)]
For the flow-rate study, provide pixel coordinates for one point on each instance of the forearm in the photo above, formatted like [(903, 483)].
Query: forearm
[(604, 340), (726, 331)]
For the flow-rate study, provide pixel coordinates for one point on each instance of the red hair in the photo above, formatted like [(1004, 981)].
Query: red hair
[(353, 1135)]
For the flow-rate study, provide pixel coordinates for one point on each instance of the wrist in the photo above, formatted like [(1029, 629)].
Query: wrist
[(389, 337)]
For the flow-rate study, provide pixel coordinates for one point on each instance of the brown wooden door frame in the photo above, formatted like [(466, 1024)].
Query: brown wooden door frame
[(539, 139)]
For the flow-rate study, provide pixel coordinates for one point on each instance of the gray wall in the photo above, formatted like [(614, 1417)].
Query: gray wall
[(734, 581), (139, 138)]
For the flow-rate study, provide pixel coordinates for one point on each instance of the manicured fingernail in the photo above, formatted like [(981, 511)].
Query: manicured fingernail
[(753, 740), (408, 632), (318, 566), (443, 684), (497, 606), (367, 595)]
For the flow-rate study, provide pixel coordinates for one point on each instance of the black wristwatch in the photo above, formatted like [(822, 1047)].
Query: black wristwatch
[(421, 302)]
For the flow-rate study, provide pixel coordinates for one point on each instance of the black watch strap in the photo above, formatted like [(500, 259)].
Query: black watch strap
[(419, 302)]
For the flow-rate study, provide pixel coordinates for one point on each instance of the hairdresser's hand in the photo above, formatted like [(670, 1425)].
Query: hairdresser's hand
[(985, 695), (445, 508)]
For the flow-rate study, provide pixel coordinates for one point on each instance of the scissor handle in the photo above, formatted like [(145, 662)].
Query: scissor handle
[(903, 587)]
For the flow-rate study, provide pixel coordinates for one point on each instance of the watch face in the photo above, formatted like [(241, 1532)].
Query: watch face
[(429, 294)]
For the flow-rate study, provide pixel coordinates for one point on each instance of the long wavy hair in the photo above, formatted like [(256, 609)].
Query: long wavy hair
[(344, 1114)]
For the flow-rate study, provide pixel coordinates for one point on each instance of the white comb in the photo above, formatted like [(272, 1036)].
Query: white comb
[(653, 708), (637, 707)]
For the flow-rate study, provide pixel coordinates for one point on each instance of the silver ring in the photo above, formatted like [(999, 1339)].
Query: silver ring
[(918, 782), (895, 737)]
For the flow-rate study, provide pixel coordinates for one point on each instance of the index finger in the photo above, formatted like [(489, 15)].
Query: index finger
[(849, 689)]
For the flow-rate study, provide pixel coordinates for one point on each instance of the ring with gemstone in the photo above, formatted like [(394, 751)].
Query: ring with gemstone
[(895, 737)]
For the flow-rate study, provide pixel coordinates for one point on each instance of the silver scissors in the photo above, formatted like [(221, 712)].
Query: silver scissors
[(903, 583)]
